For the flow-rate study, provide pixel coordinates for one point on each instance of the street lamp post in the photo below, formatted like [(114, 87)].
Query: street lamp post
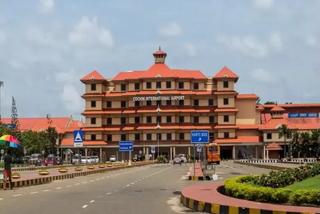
[(1, 85)]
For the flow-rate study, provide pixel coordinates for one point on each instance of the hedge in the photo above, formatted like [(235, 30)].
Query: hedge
[(239, 187)]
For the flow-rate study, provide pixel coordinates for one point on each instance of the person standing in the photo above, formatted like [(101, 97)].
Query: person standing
[(7, 159)]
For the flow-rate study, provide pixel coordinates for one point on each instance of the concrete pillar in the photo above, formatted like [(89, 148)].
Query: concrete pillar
[(144, 150), (267, 154), (171, 153), (174, 151), (101, 158), (66, 155), (147, 153), (86, 152), (233, 152), (264, 152), (256, 148), (189, 150)]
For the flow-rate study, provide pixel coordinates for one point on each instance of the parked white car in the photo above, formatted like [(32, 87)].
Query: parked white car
[(183, 158), (94, 159), (177, 160), (86, 160), (113, 158)]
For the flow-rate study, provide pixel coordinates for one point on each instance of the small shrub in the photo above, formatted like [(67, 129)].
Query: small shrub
[(300, 197)]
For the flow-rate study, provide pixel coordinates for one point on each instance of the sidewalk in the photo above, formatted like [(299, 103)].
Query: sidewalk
[(196, 174), (206, 198)]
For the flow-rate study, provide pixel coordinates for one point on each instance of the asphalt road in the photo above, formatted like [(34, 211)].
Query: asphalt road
[(140, 190)]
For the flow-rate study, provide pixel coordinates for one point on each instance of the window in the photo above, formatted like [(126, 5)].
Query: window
[(196, 119), (123, 137), (158, 84), (93, 120), (123, 104), (136, 103), (109, 104), (158, 102), (195, 86), (181, 85), (168, 84), (226, 134), (93, 104), (225, 101), (181, 136), (181, 119), (137, 137), (123, 121), (169, 119), (159, 136), (137, 86), (181, 102), (109, 121), (93, 137), (210, 102), (148, 85), (168, 102), (149, 102), (269, 136), (169, 136), (93, 87), (211, 135), (158, 119), (225, 84), (196, 102), (149, 137), (211, 119), (137, 120), (123, 87), (109, 137), (149, 119), (226, 118)]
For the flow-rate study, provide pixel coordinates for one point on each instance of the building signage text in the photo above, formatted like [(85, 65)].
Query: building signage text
[(156, 98), (303, 115)]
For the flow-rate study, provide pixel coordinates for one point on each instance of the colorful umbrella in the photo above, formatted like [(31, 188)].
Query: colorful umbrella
[(9, 140)]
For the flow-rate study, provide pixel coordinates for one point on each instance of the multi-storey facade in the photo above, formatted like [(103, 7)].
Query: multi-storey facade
[(160, 106)]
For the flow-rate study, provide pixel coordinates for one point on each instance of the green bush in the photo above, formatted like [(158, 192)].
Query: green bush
[(283, 178), (306, 197), (1, 165)]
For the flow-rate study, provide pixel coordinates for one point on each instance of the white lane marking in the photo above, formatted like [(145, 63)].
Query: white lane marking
[(109, 193), (58, 188), (84, 206), (128, 185), (100, 196), (132, 183), (236, 169), (91, 201), (31, 193), (68, 186), (92, 181), (1, 199), (77, 184), (84, 182), (16, 195), (46, 190)]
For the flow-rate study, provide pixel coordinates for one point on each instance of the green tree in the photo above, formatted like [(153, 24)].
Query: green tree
[(52, 136), (286, 133), (296, 144), (15, 120), (269, 103)]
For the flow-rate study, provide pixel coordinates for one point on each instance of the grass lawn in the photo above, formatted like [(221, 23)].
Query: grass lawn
[(310, 183)]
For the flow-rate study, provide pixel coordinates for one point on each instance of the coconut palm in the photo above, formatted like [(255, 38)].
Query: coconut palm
[(286, 133)]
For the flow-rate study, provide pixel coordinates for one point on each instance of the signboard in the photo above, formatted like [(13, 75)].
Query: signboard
[(153, 149), (155, 98), (199, 136), (78, 138), (199, 148), (12, 125), (303, 115), (125, 146)]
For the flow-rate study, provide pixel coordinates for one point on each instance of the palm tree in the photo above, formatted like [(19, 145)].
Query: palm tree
[(286, 133), (315, 141), (296, 143)]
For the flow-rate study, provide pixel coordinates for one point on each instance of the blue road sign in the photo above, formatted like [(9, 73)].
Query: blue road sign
[(78, 138), (199, 136), (125, 146), (11, 125), (153, 149), (303, 115), (199, 148)]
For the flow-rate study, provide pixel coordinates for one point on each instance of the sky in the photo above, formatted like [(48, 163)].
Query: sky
[(46, 46)]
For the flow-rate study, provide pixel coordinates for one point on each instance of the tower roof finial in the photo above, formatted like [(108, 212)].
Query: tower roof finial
[(159, 48)]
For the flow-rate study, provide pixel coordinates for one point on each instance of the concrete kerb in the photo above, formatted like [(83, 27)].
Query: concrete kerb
[(47, 179), (38, 167), (264, 166)]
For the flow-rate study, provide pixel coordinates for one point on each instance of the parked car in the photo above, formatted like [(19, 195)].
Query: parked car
[(52, 160), (183, 158), (85, 160), (94, 159), (75, 159), (177, 160), (113, 158), (35, 159)]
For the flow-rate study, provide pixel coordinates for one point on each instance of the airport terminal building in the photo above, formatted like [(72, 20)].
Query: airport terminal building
[(160, 106)]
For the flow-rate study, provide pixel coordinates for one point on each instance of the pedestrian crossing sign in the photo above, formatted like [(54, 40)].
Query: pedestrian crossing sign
[(153, 149), (78, 138)]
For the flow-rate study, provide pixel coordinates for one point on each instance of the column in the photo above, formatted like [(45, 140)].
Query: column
[(233, 152), (171, 158), (101, 158), (66, 155), (256, 147), (189, 150), (174, 151), (147, 153), (86, 152), (267, 154), (264, 152), (144, 150)]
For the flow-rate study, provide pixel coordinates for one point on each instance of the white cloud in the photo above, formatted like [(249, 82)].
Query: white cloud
[(2, 37), (189, 49), (72, 99), (276, 41), (311, 41), (66, 77), (263, 76), (170, 30), (263, 4), (248, 45), (45, 6), (88, 33)]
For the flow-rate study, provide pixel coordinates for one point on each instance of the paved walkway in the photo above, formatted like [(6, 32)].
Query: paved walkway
[(211, 200)]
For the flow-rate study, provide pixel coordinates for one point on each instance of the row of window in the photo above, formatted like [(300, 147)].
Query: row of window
[(158, 102), (137, 86), (137, 120), (123, 137)]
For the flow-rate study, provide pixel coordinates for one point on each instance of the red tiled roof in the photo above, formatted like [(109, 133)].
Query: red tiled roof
[(275, 122), (273, 147), (240, 139), (93, 75), (259, 107), (249, 126), (247, 96), (69, 142), (277, 108), (226, 73), (294, 105)]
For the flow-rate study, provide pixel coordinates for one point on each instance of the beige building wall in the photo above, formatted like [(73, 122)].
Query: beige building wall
[(247, 111)]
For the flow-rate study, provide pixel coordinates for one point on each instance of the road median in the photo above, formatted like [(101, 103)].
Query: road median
[(262, 165)]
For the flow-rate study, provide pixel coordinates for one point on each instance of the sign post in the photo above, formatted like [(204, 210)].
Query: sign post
[(126, 146), (199, 150), (78, 141), (153, 150), (198, 137)]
